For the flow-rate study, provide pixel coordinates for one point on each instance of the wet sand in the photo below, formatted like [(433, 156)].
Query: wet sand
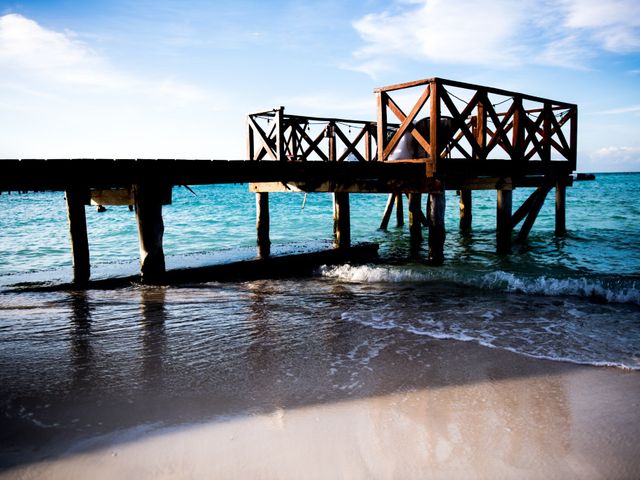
[(433, 409)]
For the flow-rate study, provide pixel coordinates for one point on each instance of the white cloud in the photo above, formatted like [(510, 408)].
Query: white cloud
[(615, 159), (622, 110), (32, 53), (499, 33), (615, 24)]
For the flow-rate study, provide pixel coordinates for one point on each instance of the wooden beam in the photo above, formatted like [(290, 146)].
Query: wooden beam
[(541, 194), (503, 221), (436, 206), (341, 220), (148, 205), (466, 214), (262, 224), (388, 209), (76, 199), (525, 208)]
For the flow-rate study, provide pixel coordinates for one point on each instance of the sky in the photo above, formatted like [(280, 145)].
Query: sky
[(175, 79)]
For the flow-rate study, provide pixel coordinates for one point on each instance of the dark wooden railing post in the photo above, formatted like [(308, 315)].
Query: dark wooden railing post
[(148, 205), (382, 101), (76, 200), (280, 127), (432, 162), (573, 140), (250, 141)]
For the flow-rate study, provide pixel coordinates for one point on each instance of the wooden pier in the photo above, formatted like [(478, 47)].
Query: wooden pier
[(455, 136)]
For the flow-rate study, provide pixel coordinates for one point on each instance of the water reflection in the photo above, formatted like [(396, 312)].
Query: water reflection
[(153, 316), (82, 354)]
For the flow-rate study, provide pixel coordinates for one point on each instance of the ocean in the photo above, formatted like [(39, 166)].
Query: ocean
[(573, 299)]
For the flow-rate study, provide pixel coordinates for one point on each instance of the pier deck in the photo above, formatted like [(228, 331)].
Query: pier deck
[(454, 136)]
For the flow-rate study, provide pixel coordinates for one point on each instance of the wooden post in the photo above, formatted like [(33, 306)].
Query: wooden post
[(503, 221), (262, 224), (76, 199), (465, 210), (399, 211), (148, 205), (382, 100), (434, 112), (561, 198), (481, 131), (436, 207), (415, 225), (341, 220), (280, 127)]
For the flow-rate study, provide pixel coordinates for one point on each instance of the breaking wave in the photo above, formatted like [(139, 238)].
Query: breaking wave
[(612, 291)]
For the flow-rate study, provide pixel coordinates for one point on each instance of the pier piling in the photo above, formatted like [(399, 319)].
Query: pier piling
[(148, 205), (436, 206), (561, 198), (415, 223), (466, 213), (262, 224), (76, 199), (503, 220), (341, 220)]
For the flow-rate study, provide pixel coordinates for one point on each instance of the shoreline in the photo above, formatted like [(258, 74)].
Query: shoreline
[(446, 409)]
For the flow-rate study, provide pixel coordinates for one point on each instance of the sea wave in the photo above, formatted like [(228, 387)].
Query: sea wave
[(616, 291)]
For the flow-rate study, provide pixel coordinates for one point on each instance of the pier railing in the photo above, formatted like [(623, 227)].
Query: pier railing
[(477, 125), (274, 135)]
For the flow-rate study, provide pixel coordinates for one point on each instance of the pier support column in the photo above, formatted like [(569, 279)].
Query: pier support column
[(503, 221), (561, 198), (399, 211), (76, 200), (341, 220), (262, 224), (436, 206), (465, 210), (415, 224), (148, 204)]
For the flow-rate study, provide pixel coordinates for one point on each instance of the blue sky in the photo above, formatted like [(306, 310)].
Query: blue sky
[(175, 79)]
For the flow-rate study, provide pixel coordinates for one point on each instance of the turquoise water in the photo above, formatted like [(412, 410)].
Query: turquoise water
[(574, 298)]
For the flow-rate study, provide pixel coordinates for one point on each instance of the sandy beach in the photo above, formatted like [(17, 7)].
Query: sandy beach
[(450, 410)]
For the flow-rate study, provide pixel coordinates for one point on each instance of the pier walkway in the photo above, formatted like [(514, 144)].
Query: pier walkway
[(429, 136)]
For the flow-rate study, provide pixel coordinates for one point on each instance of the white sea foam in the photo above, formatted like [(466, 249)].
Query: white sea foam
[(499, 280), (582, 287)]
